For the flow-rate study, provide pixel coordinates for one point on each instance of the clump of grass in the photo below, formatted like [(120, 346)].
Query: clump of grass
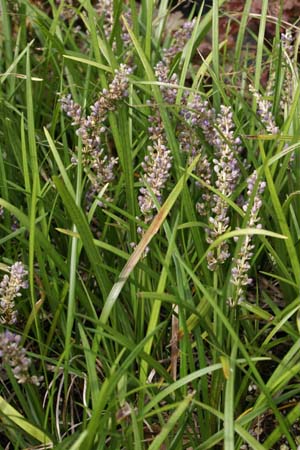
[(151, 198)]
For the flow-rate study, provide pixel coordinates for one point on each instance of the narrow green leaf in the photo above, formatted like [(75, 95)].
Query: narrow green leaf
[(172, 422), (12, 414), (91, 366), (78, 218), (89, 62), (229, 403), (140, 248), (290, 245), (107, 388), (59, 163)]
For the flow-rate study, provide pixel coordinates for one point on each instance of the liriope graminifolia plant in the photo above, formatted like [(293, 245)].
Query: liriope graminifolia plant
[(127, 339)]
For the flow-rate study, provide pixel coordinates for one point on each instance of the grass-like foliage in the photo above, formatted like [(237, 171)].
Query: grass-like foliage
[(150, 227)]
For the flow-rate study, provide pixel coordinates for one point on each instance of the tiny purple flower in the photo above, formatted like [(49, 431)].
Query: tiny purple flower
[(10, 287)]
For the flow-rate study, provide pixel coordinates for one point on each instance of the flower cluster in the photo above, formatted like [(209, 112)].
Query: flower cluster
[(126, 39), (158, 160), (264, 110), (92, 128), (198, 115), (105, 10), (239, 272), (10, 287), (169, 92), (156, 166), (218, 131), (288, 50), (180, 38), (287, 40), (13, 355), (72, 109), (226, 168)]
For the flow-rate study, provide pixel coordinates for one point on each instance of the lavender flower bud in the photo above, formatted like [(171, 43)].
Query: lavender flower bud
[(72, 109), (239, 272), (13, 355), (105, 9), (92, 129), (169, 92), (288, 85), (181, 37), (227, 175), (264, 110), (223, 171), (10, 287), (157, 165)]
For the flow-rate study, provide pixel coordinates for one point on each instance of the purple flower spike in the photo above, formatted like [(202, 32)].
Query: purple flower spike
[(10, 287), (13, 355), (239, 272)]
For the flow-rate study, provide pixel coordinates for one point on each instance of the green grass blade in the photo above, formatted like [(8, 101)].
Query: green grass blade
[(107, 388), (290, 246), (155, 311), (140, 248), (91, 367), (8, 411), (172, 422), (78, 218), (229, 403), (215, 52), (59, 163)]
